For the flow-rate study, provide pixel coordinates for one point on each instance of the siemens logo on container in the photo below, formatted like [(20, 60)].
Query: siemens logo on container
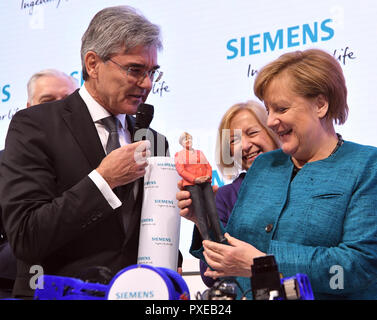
[(135, 295), (164, 201), (144, 259), (282, 38), (165, 164), (162, 239)]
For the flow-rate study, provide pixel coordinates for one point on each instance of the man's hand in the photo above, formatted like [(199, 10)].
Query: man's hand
[(125, 164)]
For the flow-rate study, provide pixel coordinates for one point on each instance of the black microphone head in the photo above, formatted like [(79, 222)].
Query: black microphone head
[(144, 116)]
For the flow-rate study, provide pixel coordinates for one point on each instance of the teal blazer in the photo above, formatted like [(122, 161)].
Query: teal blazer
[(323, 223)]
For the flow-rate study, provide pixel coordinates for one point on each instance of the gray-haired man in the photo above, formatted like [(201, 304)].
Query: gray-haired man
[(67, 205), (49, 85)]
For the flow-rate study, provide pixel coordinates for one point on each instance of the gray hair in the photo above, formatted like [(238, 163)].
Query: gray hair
[(115, 29), (46, 73)]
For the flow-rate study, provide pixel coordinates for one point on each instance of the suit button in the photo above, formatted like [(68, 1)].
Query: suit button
[(269, 227)]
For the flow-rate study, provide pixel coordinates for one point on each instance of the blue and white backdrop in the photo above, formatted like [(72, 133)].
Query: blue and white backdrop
[(212, 51)]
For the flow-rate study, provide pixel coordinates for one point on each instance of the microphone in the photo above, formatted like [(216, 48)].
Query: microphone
[(144, 116)]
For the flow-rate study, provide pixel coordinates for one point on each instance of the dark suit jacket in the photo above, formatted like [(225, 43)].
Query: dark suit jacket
[(53, 213), (7, 259)]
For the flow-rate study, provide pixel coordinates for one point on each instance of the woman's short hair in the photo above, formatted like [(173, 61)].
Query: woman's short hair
[(231, 169), (116, 29), (312, 72)]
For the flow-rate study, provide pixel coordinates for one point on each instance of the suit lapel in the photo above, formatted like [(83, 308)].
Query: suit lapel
[(80, 123)]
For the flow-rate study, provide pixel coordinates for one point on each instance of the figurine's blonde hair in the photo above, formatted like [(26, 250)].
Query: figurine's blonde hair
[(184, 136)]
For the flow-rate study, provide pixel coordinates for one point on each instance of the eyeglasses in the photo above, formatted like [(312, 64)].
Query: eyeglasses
[(140, 73)]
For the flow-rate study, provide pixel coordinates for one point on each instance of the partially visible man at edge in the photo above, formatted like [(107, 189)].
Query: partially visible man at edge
[(49, 85), (43, 86)]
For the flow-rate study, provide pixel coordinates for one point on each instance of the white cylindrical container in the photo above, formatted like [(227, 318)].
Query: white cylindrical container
[(160, 219), (143, 282)]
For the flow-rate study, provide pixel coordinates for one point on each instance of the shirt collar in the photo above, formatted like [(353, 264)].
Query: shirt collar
[(98, 112)]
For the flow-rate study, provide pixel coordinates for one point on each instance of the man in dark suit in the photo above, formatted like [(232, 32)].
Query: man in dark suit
[(43, 86), (69, 202)]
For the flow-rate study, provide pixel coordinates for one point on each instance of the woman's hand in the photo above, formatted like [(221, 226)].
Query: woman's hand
[(234, 259)]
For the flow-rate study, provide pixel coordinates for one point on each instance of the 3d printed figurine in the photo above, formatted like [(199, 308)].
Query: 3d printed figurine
[(196, 172)]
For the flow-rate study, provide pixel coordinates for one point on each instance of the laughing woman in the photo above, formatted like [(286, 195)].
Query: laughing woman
[(242, 136), (313, 203)]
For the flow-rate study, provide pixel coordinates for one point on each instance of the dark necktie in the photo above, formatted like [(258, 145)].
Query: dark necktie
[(110, 124), (125, 193)]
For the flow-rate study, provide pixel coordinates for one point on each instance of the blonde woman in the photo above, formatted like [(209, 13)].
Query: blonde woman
[(242, 136), (243, 132)]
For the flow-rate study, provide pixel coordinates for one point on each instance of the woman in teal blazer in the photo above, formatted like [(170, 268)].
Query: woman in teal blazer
[(313, 203)]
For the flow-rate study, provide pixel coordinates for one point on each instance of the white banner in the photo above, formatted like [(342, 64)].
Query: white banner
[(160, 219)]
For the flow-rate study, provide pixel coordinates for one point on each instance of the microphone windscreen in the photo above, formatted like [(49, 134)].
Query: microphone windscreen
[(144, 116)]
